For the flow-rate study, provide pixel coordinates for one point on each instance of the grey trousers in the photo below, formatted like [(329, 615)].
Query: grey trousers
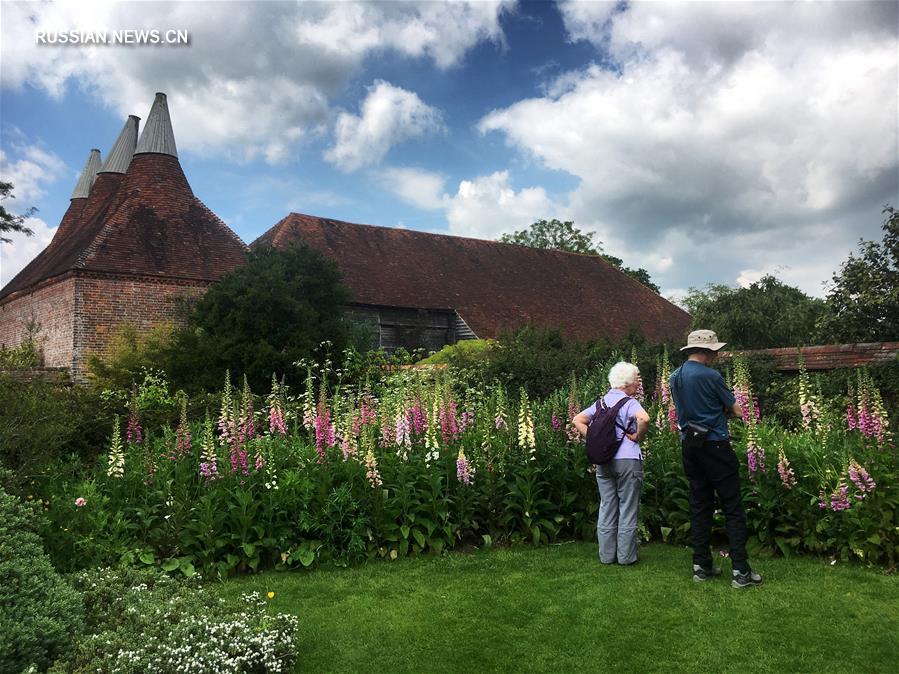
[(620, 483)]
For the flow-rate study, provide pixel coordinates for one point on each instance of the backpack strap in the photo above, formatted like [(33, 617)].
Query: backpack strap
[(601, 405), (621, 403)]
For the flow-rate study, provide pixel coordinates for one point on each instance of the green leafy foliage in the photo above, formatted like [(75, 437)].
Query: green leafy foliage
[(262, 318), (23, 356), (10, 222), (299, 499), (42, 423), (129, 353), (557, 235), (542, 360), (28, 352), (863, 301), (767, 314), (461, 354), (41, 613)]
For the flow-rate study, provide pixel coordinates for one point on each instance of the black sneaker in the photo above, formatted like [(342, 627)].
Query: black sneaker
[(748, 579), (700, 575)]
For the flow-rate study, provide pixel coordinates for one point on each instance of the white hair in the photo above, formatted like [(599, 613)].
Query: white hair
[(623, 374)]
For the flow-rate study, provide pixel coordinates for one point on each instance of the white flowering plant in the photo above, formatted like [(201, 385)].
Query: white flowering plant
[(144, 621)]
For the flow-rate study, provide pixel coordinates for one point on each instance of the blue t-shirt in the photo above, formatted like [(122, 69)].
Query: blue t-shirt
[(701, 396)]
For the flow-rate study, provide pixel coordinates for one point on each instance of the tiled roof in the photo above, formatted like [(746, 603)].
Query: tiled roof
[(76, 230), (493, 286), (147, 222), (156, 226)]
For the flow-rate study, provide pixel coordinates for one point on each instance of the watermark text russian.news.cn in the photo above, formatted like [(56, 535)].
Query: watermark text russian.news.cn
[(129, 36)]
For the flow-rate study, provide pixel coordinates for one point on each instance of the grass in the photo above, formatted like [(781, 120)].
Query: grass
[(556, 609)]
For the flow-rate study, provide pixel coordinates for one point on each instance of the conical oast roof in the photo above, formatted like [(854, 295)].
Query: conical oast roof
[(70, 234), (80, 197), (158, 136), (154, 225), (119, 157), (88, 175), (145, 222)]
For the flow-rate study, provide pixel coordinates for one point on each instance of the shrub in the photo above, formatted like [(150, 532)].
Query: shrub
[(28, 353), (43, 423), (129, 354), (23, 356), (144, 621), (542, 360), (41, 612), (262, 318), (468, 352)]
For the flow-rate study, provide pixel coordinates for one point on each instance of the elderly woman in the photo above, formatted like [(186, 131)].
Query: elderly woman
[(620, 481)]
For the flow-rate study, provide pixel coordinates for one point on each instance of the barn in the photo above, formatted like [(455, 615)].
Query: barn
[(424, 290), (136, 245)]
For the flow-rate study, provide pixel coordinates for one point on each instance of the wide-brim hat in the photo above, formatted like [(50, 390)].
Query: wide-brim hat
[(703, 339)]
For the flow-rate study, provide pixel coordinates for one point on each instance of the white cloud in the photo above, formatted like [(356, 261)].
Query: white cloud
[(440, 31), (423, 189), (29, 174), (32, 170), (389, 115), (257, 78), (586, 20), (14, 256), (768, 124), (484, 207), (489, 206)]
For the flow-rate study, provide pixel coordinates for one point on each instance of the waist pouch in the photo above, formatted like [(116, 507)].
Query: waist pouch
[(694, 435)]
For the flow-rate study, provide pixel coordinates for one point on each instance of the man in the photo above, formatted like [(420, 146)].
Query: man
[(703, 401)]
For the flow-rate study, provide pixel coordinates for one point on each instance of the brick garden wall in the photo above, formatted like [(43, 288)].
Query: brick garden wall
[(829, 357), (53, 306)]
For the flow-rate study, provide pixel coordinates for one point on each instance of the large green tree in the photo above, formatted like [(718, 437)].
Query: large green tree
[(863, 301), (559, 235), (262, 318), (10, 222), (767, 314)]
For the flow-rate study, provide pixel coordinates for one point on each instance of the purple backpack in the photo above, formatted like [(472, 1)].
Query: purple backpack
[(602, 441)]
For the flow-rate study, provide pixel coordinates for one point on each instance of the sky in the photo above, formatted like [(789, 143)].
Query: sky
[(707, 142)]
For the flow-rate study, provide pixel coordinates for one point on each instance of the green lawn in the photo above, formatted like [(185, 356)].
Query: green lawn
[(557, 609)]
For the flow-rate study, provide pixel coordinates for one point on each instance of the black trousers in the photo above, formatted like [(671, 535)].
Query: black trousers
[(714, 469)]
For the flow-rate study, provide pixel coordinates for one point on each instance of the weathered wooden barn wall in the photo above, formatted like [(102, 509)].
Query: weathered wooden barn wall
[(394, 327)]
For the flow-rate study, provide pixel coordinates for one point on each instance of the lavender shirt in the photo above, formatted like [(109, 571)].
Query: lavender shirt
[(626, 417)]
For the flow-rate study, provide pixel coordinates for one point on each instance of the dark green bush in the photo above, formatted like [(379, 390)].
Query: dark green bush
[(41, 612), (262, 318), (42, 423)]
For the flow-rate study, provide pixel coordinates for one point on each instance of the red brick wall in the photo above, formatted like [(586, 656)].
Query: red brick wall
[(105, 301), (79, 314), (53, 306)]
